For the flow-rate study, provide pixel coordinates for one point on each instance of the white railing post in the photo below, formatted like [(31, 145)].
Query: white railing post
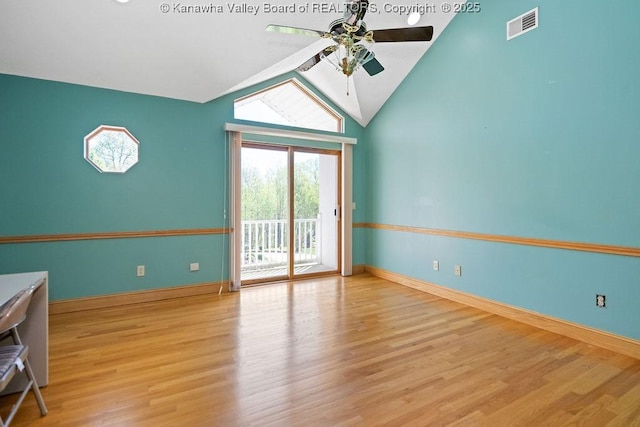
[(318, 234), (264, 242)]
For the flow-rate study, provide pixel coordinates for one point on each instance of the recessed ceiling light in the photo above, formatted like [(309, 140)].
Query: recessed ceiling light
[(122, 1), (413, 18)]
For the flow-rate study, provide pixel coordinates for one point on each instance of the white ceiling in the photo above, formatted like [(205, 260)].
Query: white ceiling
[(135, 47)]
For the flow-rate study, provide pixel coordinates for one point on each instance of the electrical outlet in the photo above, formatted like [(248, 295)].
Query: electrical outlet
[(457, 270), (194, 266), (601, 301), (140, 271), (436, 265)]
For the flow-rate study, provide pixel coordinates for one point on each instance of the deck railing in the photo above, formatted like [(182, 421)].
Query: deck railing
[(265, 243)]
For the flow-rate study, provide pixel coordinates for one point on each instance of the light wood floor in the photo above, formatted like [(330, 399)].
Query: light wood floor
[(324, 352)]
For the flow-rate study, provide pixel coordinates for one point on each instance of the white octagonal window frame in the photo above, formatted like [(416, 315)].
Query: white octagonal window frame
[(111, 149)]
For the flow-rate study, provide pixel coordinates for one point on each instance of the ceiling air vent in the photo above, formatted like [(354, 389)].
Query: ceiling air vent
[(526, 22)]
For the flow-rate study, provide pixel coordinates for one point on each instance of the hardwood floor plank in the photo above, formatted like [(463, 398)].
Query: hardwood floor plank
[(358, 351)]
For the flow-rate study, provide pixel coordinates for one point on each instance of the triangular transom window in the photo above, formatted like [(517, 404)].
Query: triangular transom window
[(288, 103)]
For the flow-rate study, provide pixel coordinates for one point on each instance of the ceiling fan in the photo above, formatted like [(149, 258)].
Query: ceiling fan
[(352, 41)]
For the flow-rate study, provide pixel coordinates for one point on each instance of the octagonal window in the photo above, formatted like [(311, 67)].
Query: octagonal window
[(111, 149)]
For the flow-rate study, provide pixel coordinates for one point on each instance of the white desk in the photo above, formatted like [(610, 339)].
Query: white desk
[(34, 331)]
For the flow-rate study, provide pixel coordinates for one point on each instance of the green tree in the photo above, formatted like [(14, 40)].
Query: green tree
[(264, 194)]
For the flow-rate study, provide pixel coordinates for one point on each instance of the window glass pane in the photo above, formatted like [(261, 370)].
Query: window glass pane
[(288, 104)]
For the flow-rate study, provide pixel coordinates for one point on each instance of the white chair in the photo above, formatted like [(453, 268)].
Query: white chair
[(14, 358)]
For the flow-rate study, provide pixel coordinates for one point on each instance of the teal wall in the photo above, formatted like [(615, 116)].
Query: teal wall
[(535, 137), (46, 187)]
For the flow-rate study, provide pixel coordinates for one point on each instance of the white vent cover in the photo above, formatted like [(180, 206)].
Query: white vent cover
[(524, 23)]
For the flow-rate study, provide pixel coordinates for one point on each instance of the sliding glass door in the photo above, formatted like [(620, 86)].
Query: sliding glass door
[(265, 213), (290, 212), (315, 212)]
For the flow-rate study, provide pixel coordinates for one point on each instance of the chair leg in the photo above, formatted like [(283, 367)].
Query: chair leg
[(35, 388), (30, 375), (16, 406)]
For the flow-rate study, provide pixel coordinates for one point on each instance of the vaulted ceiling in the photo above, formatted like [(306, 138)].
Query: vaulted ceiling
[(171, 49)]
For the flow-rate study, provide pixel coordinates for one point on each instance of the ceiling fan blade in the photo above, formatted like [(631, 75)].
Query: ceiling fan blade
[(354, 11), (409, 34), (372, 67), (294, 30), (314, 59)]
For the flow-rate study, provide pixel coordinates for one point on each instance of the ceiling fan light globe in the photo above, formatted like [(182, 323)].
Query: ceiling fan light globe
[(413, 18)]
